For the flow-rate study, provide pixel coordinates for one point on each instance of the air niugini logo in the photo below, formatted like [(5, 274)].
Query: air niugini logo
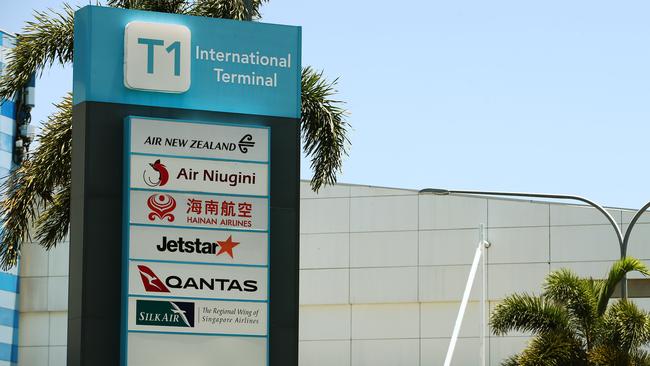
[(157, 175)]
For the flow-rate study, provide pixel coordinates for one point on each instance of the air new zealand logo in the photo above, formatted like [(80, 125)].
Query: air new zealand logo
[(165, 313), (245, 143)]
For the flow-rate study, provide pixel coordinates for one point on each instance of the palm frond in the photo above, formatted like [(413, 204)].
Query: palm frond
[(324, 128), (163, 6), (577, 295), (45, 40), (53, 222), (619, 269), (625, 326), (39, 181), (511, 361), (528, 313), (552, 349), (227, 9), (640, 357)]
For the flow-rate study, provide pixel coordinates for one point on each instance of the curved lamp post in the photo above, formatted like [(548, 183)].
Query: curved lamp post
[(622, 242), (628, 232)]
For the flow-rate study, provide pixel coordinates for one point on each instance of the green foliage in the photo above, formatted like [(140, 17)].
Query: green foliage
[(526, 313), (163, 6), (570, 327), (616, 274), (230, 9), (324, 128), (45, 40), (37, 194), (553, 349), (38, 188), (226, 9)]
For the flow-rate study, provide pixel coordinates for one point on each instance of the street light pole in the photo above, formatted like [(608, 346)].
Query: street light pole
[(619, 235), (628, 231)]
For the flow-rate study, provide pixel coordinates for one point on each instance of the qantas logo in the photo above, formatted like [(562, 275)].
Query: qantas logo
[(150, 281)]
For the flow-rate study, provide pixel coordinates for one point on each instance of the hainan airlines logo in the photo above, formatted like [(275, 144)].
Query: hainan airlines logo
[(162, 207), (157, 176), (150, 281), (157, 57)]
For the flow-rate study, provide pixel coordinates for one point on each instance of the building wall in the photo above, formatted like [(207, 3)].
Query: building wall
[(8, 279), (383, 271)]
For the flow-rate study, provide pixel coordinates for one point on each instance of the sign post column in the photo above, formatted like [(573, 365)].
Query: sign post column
[(184, 240)]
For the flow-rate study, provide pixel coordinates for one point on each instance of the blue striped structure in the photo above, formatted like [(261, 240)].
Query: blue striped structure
[(8, 279)]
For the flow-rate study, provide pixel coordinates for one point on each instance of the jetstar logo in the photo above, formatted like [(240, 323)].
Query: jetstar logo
[(161, 206), (198, 246), (150, 281), (165, 313), (157, 176)]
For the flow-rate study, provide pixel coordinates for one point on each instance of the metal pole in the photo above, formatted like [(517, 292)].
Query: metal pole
[(628, 232), (484, 292), (463, 304), (601, 209)]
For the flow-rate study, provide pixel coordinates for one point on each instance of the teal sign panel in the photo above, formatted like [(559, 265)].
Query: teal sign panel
[(178, 61)]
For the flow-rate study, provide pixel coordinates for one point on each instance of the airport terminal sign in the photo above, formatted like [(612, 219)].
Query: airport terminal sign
[(176, 120)]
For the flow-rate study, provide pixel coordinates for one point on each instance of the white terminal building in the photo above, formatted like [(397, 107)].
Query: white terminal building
[(382, 273)]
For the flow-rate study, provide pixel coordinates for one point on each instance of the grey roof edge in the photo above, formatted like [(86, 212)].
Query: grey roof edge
[(415, 191)]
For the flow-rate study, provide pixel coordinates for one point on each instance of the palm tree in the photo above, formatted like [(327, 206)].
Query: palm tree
[(37, 194), (572, 323)]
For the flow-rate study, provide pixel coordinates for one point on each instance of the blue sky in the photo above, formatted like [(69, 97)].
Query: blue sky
[(548, 96)]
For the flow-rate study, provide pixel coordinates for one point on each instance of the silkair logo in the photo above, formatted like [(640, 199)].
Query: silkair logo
[(157, 176), (157, 57), (150, 281), (165, 313)]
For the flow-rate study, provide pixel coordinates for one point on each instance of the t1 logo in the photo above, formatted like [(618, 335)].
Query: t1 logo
[(157, 57)]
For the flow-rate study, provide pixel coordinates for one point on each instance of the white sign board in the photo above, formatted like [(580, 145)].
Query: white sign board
[(199, 210), (197, 234), (198, 246), (210, 176), (155, 136)]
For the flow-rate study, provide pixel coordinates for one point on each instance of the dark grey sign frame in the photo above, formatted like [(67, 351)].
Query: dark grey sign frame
[(96, 229)]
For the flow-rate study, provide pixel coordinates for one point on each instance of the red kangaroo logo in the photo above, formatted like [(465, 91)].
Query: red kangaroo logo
[(150, 281), (161, 206), (163, 175)]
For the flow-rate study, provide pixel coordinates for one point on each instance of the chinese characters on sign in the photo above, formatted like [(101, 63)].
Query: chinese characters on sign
[(197, 230)]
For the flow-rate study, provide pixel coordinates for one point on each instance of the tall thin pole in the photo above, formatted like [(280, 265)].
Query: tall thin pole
[(483, 244), (463, 304)]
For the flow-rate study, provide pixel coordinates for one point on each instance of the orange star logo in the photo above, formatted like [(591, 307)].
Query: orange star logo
[(226, 246)]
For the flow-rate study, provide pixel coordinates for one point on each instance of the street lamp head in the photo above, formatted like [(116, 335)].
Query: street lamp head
[(436, 191)]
